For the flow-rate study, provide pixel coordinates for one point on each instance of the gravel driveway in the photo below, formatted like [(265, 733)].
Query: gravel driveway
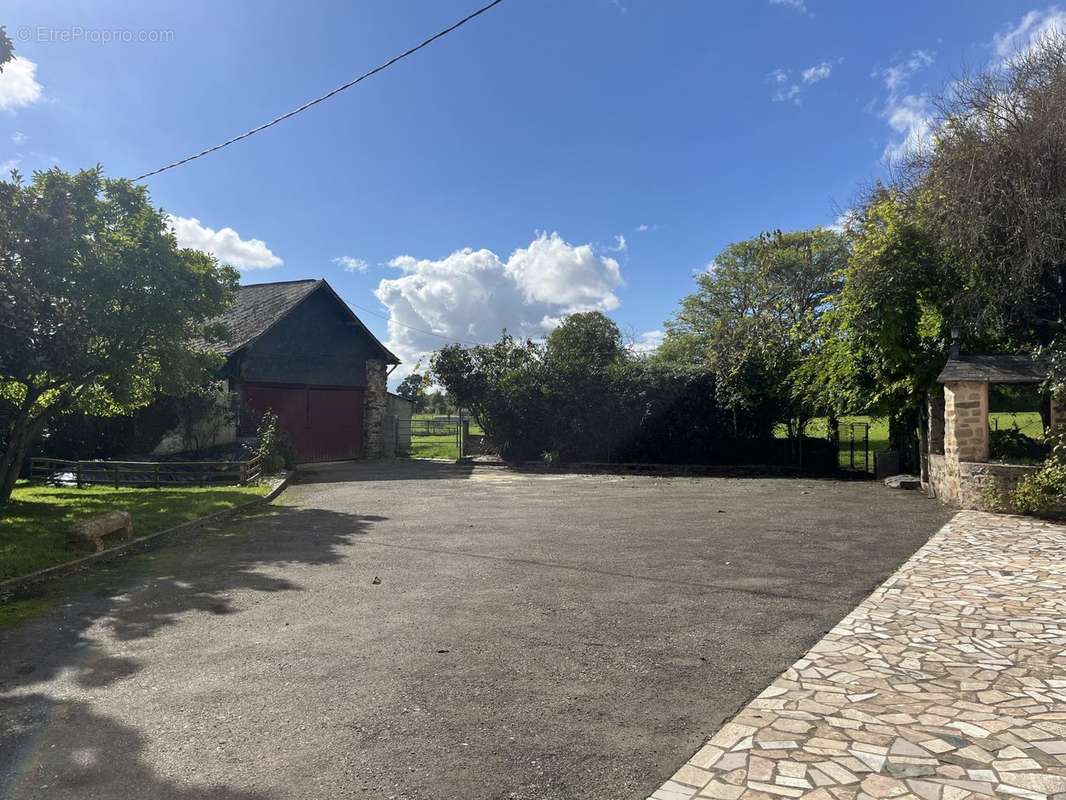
[(417, 630)]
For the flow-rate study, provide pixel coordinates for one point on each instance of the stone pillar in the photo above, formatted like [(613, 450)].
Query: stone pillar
[(966, 421), (374, 410)]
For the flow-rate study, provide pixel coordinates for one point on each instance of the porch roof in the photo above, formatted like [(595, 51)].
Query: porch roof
[(995, 368)]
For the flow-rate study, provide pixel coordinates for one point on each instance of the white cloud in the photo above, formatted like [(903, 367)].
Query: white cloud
[(909, 115), (645, 227), (18, 84), (648, 342), (7, 165), (819, 72), (620, 244), (472, 295), (225, 244), (789, 90), (1029, 31), (844, 220), (351, 264), (799, 5), (18, 137), (897, 76)]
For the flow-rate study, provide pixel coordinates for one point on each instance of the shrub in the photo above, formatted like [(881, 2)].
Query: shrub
[(1045, 490), (1010, 444), (581, 396), (273, 444)]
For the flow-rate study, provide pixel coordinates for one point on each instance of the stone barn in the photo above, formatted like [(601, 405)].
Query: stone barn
[(297, 349)]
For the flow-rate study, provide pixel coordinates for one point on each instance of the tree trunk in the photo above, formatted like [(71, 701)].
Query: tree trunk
[(903, 438), (11, 461), (21, 433)]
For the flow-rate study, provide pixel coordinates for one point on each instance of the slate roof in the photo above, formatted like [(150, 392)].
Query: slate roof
[(259, 306), (994, 369)]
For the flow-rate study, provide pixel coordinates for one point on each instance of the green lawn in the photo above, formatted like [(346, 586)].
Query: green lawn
[(437, 445), (434, 447), (1028, 422), (34, 523)]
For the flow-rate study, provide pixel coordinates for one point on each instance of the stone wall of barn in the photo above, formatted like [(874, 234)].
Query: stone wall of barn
[(376, 402)]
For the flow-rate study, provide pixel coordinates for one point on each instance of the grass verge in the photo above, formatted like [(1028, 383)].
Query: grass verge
[(33, 525)]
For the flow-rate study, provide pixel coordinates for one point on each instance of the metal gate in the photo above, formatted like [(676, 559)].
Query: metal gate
[(854, 447)]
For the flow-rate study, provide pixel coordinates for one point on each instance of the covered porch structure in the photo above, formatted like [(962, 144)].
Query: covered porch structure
[(958, 466)]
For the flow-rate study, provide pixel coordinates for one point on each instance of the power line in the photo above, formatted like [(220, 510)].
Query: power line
[(413, 328), (326, 96)]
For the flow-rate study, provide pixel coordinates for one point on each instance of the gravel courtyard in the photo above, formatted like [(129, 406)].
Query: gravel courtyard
[(417, 630)]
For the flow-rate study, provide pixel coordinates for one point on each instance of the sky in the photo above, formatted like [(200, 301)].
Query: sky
[(551, 156)]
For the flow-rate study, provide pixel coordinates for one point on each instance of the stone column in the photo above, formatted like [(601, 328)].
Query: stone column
[(374, 410), (966, 420)]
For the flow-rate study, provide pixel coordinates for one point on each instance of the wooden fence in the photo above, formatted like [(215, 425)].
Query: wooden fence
[(145, 473)]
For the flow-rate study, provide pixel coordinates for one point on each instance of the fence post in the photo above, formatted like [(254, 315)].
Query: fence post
[(866, 447), (116, 476), (157, 475), (77, 473)]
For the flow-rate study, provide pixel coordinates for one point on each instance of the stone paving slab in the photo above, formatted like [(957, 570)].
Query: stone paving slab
[(947, 683)]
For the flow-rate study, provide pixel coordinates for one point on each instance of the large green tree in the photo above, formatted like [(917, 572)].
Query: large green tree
[(100, 310), (991, 188), (755, 316), (883, 338)]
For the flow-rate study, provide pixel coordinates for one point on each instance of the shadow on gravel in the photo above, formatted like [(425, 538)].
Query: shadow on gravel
[(394, 470), (137, 596), (95, 756)]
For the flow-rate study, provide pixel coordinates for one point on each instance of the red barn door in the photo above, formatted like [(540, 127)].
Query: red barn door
[(322, 424)]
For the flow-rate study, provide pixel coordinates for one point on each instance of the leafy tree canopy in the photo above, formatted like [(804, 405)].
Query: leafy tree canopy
[(884, 337), (755, 316), (100, 309)]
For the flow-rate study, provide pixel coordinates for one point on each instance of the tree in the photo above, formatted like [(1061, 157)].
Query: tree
[(413, 388), (100, 310), (992, 191), (503, 386), (755, 317), (883, 339), (7, 49)]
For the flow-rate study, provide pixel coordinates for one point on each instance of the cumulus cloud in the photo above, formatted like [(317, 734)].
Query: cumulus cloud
[(788, 89), (18, 84), (351, 264), (18, 137), (648, 342), (472, 295), (909, 115), (1030, 30), (225, 244)]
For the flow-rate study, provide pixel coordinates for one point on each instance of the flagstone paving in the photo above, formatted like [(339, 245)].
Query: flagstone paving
[(947, 683)]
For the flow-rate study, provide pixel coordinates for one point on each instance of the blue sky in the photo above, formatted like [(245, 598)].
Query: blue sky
[(553, 155)]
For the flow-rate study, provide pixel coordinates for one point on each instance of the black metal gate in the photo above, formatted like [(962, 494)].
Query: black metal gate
[(854, 447)]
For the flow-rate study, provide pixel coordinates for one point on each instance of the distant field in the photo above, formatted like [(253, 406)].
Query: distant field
[(1028, 422), (436, 445)]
